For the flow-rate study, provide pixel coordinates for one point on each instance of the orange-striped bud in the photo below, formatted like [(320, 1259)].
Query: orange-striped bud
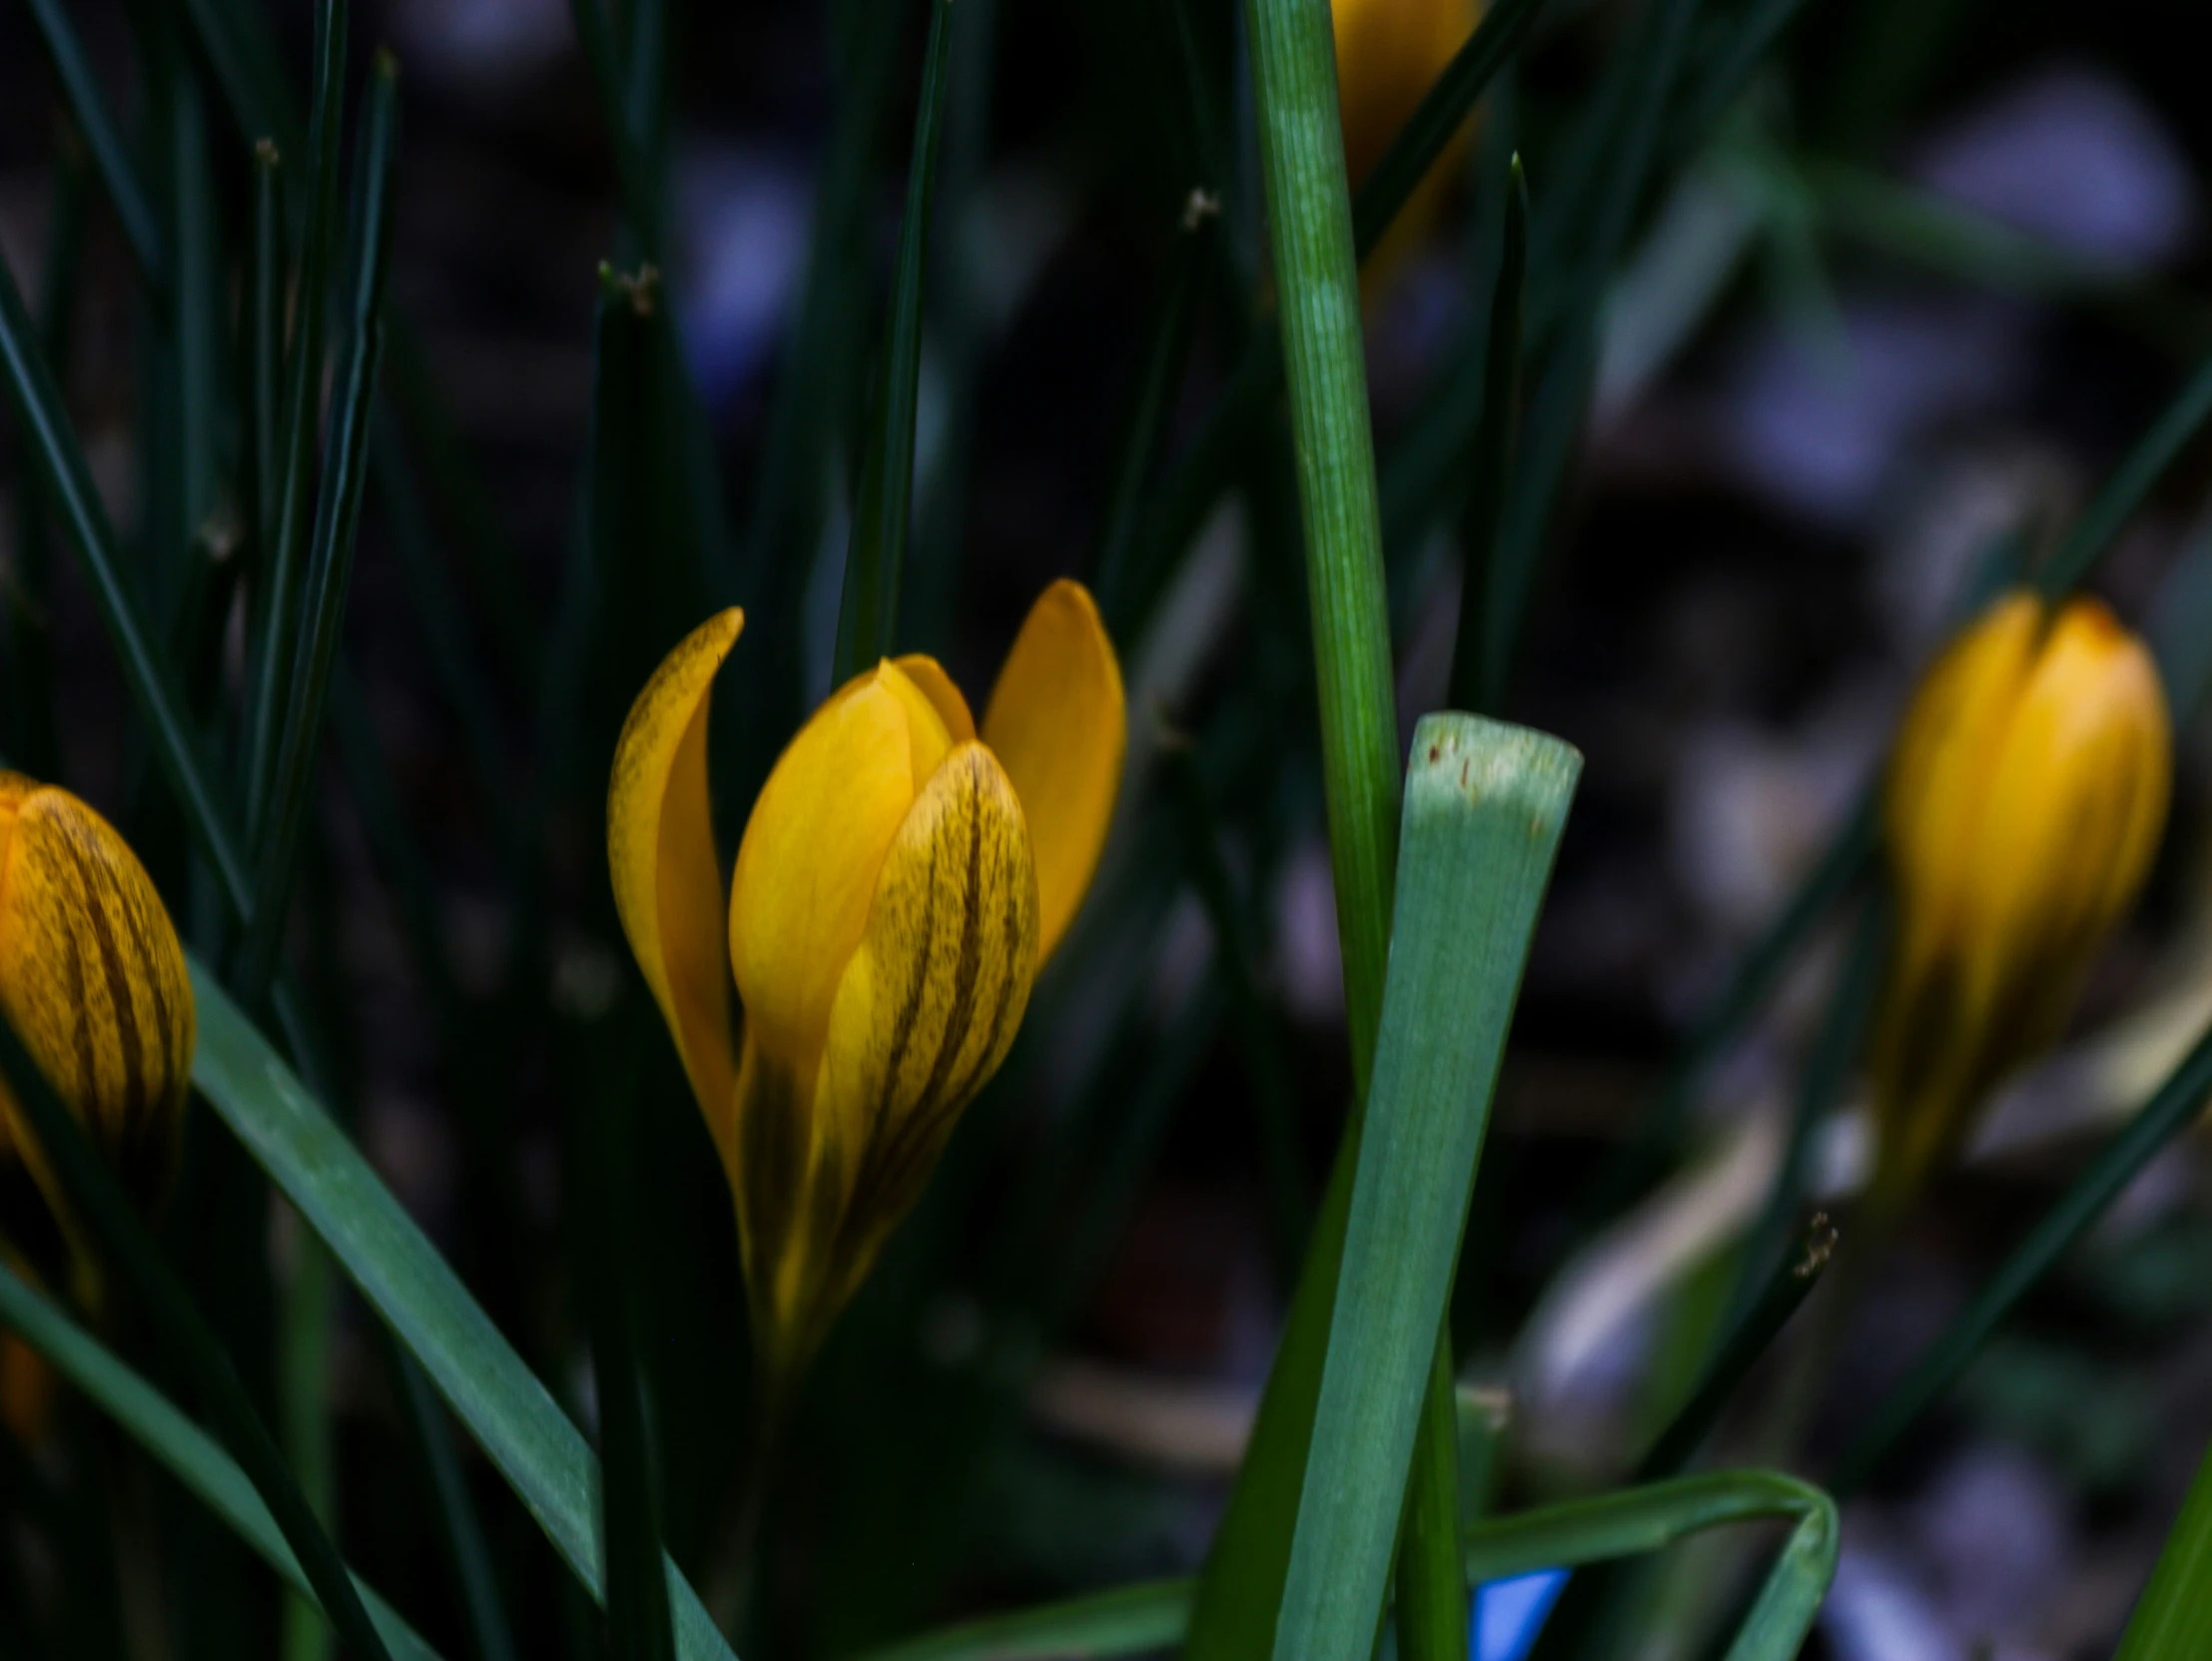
[(94, 980)]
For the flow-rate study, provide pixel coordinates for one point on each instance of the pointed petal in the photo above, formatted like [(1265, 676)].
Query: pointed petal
[(932, 998), (935, 685), (661, 853), (1059, 727), (806, 869)]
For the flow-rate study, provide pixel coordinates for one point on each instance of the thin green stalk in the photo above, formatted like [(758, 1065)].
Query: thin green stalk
[(2172, 1108), (1432, 1573), (635, 175), (262, 373), (1317, 287), (336, 531), (71, 494), (182, 1449), (1634, 1522), (460, 1533), (237, 48), (1152, 401), (2173, 1618), (111, 153), (1477, 677), (882, 513), (99, 1204), (277, 606), (302, 1392)]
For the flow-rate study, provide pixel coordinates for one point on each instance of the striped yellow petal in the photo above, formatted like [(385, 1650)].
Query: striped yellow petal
[(806, 867), (660, 852), (93, 978), (1059, 725)]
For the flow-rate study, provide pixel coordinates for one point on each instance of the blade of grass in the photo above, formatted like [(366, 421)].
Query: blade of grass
[(262, 372), (599, 1168), (1476, 676), (1152, 1615), (277, 606), (239, 51), (305, 1312), (2172, 1108), (1485, 804), (1144, 433), (69, 490), (882, 513), (460, 1533), (1432, 1575), (103, 137), (129, 1251), (337, 532), (198, 305), (635, 175), (1317, 285), (2173, 1618), (505, 1407), (184, 1450)]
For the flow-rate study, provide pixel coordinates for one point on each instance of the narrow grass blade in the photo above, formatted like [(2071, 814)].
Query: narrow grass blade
[(1632, 1522), (1432, 1576), (1152, 401), (184, 1450), (1429, 130), (239, 50), (882, 514), (1477, 676), (2124, 492), (456, 1513), (304, 1322), (2172, 1108), (277, 606), (199, 305), (103, 137), (598, 1168), (70, 493), (505, 1408), (2173, 1618), (1485, 805), (130, 1251), (262, 369), (633, 171), (336, 531), (1318, 288)]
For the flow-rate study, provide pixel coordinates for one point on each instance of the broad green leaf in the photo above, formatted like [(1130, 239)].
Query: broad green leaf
[(184, 1450), (1485, 804), (501, 1402)]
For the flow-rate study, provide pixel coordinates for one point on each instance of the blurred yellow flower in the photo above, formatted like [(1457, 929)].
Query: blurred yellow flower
[(898, 885), (2024, 805), (1388, 54), (94, 979)]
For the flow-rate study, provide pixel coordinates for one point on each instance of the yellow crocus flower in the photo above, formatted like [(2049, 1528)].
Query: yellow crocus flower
[(898, 883), (2024, 802), (1388, 54), (94, 979)]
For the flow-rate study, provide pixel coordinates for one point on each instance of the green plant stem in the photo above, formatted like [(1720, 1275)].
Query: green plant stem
[(882, 514), (337, 533), (100, 1205), (262, 372), (2173, 1618), (277, 628), (1432, 1574), (1476, 678), (2172, 1108)]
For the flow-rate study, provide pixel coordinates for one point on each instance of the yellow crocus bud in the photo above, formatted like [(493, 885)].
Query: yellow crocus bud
[(900, 881), (2024, 805), (1388, 54), (94, 980)]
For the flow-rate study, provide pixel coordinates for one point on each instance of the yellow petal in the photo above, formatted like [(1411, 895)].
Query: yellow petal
[(935, 685), (930, 1000), (1059, 727), (93, 976), (806, 868), (660, 852)]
